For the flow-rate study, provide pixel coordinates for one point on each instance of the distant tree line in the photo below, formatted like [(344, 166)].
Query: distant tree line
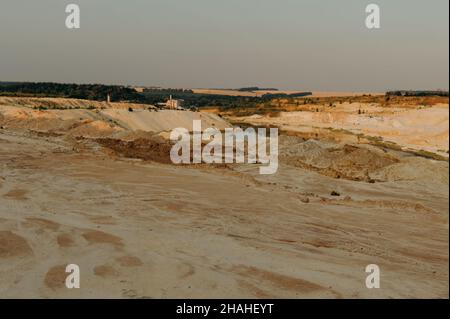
[(217, 100), (417, 93), (270, 96), (168, 90), (196, 99), (255, 88), (97, 92)]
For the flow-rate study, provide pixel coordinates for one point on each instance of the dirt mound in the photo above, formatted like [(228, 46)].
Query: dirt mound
[(22, 118), (416, 168), (72, 122), (359, 163), (338, 161)]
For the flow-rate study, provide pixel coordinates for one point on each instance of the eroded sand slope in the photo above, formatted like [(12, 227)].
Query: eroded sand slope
[(421, 128)]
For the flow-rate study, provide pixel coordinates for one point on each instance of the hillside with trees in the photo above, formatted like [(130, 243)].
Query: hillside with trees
[(96, 92)]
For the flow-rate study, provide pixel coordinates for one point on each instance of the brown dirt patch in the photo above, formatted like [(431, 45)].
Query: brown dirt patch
[(129, 261), (99, 237), (103, 220), (17, 194), (278, 280), (145, 149), (56, 277), (256, 291), (12, 245), (105, 271), (65, 240), (43, 223)]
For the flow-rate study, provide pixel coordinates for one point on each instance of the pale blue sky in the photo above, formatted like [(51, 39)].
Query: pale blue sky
[(290, 44)]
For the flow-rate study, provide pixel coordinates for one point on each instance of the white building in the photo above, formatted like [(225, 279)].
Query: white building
[(173, 104)]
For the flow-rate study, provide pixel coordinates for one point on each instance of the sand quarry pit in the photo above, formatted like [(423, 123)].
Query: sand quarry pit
[(420, 128), (94, 187)]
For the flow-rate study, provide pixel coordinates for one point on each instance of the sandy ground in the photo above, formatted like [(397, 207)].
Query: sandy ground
[(140, 229)]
